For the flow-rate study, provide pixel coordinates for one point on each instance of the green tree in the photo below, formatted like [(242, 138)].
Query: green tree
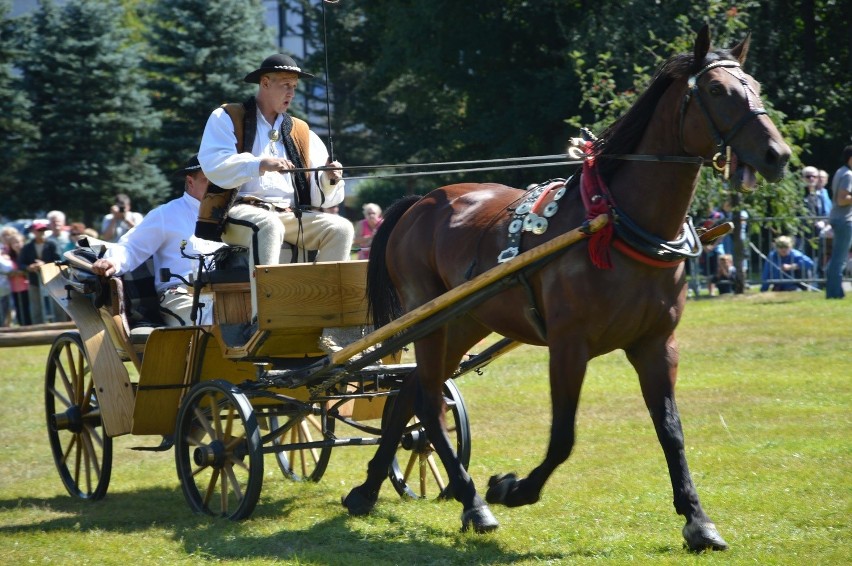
[(16, 130), (91, 109), (481, 80), (199, 53), (802, 53), (490, 79)]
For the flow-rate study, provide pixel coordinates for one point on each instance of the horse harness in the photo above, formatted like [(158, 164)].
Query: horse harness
[(531, 215), (541, 202)]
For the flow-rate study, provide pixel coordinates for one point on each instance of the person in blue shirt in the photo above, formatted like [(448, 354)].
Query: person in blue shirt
[(785, 263)]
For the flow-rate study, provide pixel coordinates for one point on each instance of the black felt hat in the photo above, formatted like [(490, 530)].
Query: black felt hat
[(278, 63), (191, 166)]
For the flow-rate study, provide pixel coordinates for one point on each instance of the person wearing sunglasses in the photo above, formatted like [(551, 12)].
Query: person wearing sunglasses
[(818, 206)]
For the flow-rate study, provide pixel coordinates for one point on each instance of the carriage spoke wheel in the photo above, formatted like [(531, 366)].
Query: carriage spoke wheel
[(302, 464), (218, 451), (81, 449), (416, 470)]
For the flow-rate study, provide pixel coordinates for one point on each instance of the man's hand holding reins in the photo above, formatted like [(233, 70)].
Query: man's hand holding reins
[(279, 164)]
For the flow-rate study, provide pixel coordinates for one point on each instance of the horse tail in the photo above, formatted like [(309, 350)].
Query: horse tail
[(382, 299)]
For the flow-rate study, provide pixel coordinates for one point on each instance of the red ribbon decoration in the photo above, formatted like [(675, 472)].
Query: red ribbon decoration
[(597, 200)]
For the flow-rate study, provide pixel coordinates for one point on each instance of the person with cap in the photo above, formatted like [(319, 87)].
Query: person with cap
[(159, 235), (252, 147), (34, 254)]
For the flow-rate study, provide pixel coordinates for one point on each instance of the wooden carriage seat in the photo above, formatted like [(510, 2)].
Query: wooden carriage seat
[(295, 303)]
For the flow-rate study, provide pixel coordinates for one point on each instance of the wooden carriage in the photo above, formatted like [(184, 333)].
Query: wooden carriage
[(206, 391)]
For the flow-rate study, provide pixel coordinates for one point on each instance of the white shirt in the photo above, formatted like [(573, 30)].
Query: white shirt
[(228, 169), (160, 235)]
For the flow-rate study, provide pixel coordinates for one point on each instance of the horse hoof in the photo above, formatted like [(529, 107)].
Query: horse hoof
[(357, 503), (703, 536), (498, 488), (482, 519)]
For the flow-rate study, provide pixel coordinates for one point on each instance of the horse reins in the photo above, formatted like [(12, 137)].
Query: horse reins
[(720, 161)]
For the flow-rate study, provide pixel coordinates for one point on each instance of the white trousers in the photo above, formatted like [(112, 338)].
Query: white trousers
[(264, 232), (176, 307)]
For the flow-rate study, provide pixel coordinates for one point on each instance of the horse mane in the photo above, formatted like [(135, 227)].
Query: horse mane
[(623, 135)]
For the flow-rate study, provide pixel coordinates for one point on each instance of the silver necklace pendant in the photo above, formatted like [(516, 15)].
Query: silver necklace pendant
[(274, 136)]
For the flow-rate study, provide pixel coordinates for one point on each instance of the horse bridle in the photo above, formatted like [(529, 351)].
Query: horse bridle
[(721, 161)]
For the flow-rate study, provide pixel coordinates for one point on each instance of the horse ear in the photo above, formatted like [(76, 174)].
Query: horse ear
[(702, 46), (740, 51)]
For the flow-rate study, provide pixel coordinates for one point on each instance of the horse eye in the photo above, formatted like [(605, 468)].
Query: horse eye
[(716, 89)]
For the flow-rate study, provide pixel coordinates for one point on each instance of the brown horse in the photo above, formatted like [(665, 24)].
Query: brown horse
[(697, 106)]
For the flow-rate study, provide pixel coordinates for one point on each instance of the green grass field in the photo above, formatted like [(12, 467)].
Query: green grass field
[(765, 392)]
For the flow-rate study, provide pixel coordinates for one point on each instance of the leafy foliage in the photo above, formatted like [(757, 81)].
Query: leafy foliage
[(16, 129), (93, 112), (200, 52), (412, 82)]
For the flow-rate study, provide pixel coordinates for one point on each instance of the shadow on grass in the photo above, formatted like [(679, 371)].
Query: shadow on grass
[(383, 537), (117, 512)]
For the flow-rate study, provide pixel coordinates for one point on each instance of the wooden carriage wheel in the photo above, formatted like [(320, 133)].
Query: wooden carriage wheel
[(416, 470), (218, 451), (302, 464), (81, 449)]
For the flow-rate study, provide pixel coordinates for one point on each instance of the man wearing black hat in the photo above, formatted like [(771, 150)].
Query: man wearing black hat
[(159, 235), (251, 147)]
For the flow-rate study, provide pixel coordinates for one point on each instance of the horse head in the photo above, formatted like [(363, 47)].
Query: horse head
[(723, 117)]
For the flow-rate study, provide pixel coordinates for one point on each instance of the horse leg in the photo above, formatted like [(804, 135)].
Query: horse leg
[(656, 366), (567, 369), (361, 499), (429, 352), (433, 371)]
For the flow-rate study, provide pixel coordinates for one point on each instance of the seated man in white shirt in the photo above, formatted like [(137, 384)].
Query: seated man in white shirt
[(274, 206), (159, 236)]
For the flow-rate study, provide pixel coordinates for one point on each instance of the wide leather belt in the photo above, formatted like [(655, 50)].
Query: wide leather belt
[(271, 207)]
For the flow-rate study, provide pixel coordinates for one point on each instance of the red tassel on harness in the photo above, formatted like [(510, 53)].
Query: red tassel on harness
[(597, 200)]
